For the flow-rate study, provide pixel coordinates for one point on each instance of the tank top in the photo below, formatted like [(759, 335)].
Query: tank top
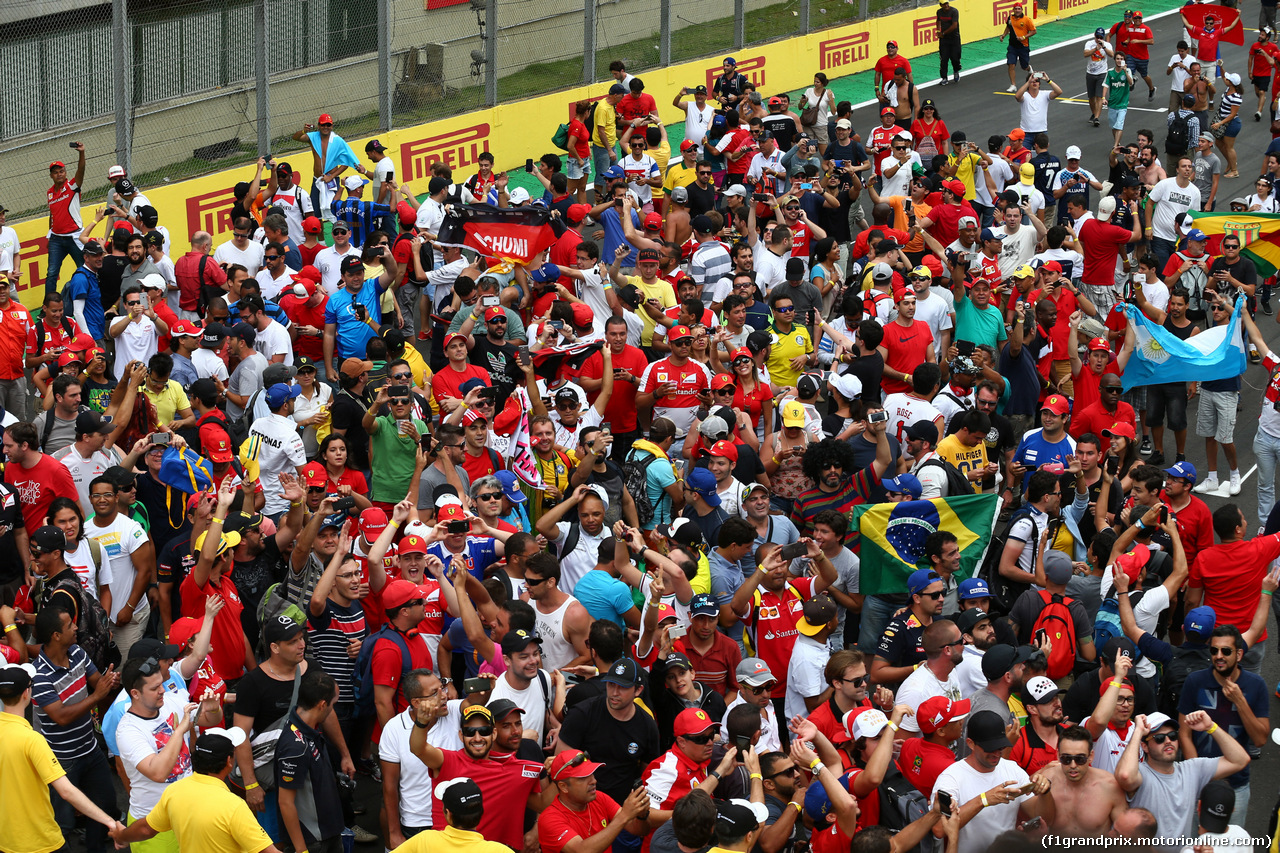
[(556, 650), (1181, 333)]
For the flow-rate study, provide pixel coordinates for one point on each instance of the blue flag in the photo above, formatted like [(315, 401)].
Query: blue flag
[(339, 153), (1158, 356)]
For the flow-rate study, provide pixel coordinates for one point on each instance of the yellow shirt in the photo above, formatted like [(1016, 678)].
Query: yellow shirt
[(964, 172), (168, 402), (605, 133), (662, 154), (421, 374), (784, 348), (966, 459), (206, 817), (450, 840), (680, 175), (660, 290), (27, 768)]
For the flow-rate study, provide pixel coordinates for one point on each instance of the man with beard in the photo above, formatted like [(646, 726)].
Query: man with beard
[(1111, 723), (577, 542), (922, 759), (510, 781), (901, 647), (979, 635), (829, 463), (1235, 699), (615, 727), (846, 672), (1087, 798), (944, 649), (580, 812), (406, 782), (781, 786), (562, 622), (1004, 667), (1169, 788), (684, 767), (1037, 746), (494, 353)]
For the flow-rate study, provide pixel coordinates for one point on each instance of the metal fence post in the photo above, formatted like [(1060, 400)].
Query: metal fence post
[(864, 11), (664, 32), (804, 16), (739, 24), (491, 53), (589, 42), (123, 84), (260, 76), (384, 65)]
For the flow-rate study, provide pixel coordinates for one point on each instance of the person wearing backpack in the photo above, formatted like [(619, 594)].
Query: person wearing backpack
[(1029, 524), (395, 650), (1065, 621)]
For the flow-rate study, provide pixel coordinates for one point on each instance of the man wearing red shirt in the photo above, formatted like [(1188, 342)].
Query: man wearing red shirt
[(1087, 375), (446, 384), (16, 326), (478, 458), (508, 784), (737, 146), (564, 251), (49, 335), (230, 652), (880, 143), (1228, 576), (194, 269), (304, 305), (846, 672), (629, 365), (404, 603), (885, 65), (672, 386), (1207, 38), (1063, 294), (1263, 54), (943, 221), (908, 342), (1109, 416), (712, 654), (1102, 242), (37, 477), (1132, 38), (580, 811), (683, 767), (1195, 522), (923, 758), (64, 217)]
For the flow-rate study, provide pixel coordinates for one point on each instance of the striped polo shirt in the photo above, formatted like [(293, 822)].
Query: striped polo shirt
[(67, 685)]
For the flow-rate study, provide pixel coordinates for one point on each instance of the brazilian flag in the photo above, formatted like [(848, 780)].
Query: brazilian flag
[(893, 537)]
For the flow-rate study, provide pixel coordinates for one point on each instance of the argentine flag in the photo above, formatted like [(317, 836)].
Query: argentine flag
[(1158, 356)]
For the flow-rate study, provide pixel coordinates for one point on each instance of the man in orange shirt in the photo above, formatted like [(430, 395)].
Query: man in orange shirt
[(1019, 29)]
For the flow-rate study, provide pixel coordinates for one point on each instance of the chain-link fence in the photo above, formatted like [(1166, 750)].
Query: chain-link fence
[(179, 88)]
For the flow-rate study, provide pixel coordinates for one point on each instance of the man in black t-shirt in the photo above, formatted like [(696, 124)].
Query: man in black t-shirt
[(1124, 161), (347, 412), (492, 352), (1231, 272), (11, 520)]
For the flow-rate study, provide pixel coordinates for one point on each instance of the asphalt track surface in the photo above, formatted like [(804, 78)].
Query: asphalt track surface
[(981, 92)]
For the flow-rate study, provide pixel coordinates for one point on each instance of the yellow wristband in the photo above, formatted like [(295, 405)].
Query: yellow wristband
[(250, 787), (755, 776), (815, 765), (8, 628), (393, 524), (891, 724), (218, 520), (1116, 684), (983, 797), (799, 808), (1211, 729)]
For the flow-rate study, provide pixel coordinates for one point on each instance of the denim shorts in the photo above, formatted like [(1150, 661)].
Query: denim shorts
[(575, 169), (1116, 117)]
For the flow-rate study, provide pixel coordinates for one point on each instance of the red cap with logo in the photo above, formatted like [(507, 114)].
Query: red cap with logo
[(413, 544), (219, 450), (315, 474), (1057, 404), (372, 522), (451, 512), (693, 721), (936, 711), (325, 118), (398, 592), (726, 450), (493, 312), (1099, 344)]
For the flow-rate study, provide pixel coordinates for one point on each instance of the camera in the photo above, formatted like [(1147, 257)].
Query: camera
[(760, 196), (346, 504), (471, 686), (463, 526)]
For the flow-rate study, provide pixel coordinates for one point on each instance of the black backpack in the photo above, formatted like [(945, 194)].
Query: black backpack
[(957, 483), (1184, 662), (635, 480), (1005, 592), (40, 330), (93, 626), (900, 805), (237, 429), (1178, 138)]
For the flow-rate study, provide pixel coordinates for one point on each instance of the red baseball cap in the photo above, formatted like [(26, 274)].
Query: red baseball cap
[(936, 711), (956, 186), (726, 450), (577, 212), (185, 327), (653, 221), (1133, 562), (472, 416), (182, 630), (687, 144), (678, 332), (413, 544), (1052, 266), (572, 764), (1057, 404), (693, 721), (721, 380), (740, 352), (372, 522), (325, 118), (451, 512), (934, 265), (493, 312), (312, 225), (1121, 429), (582, 314), (1099, 344), (406, 213), (453, 336), (219, 450), (398, 592), (886, 111), (315, 474), (69, 356)]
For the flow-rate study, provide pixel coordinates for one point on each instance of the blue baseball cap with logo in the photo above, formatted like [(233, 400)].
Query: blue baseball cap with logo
[(974, 588), (1200, 622), (279, 393), (703, 482), (1182, 471), (1197, 234), (920, 579), (614, 171), (703, 604), (545, 273), (903, 484), (510, 487)]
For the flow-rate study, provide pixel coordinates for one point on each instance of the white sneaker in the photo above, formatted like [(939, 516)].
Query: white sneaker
[(1012, 88), (1207, 486), (1233, 486)]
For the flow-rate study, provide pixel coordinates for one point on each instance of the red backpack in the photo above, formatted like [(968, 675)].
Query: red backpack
[(1055, 620)]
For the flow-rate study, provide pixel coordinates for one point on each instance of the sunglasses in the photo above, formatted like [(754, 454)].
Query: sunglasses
[(528, 581), (490, 496), (472, 731), (1073, 759), (856, 682), (150, 666), (577, 760), (792, 207), (704, 174), (402, 376), (763, 688), (502, 320), (240, 233), (133, 302), (1221, 653), (271, 257), (832, 464), (317, 490), (700, 740), (1164, 736), (784, 310), (793, 770)]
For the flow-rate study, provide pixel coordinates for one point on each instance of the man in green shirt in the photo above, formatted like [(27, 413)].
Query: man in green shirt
[(1115, 88), (395, 439), (978, 319)]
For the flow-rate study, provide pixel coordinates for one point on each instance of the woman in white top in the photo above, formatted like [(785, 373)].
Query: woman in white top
[(94, 574), (311, 408), (818, 94), (825, 273), (1263, 199), (1227, 127)]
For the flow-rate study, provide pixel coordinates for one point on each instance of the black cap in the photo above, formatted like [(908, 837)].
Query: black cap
[(125, 186), (92, 423), (244, 332), (702, 224), (1217, 802), (630, 295), (93, 247), (986, 729), (758, 341), (152, 648), (678, 660), (15, 678), (795, 269), (280, 628), (518, 641), (969, 619), (999, 659), (437, 184), (499, 708), (625, 672), (923, 431), (213, 335), (120, 476), (373, 145), (734, 819), (351, 262), (461, 796), (1118, 645), (49, 539)]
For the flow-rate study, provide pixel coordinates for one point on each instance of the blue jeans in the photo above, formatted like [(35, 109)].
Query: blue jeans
[(1242, 805), (876, 613), (600, 161), (1266, 448), (93, 776), (1163, 250), (60, 248)]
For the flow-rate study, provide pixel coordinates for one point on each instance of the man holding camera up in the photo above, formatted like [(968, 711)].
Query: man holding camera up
[(395, 437), (354, 313)]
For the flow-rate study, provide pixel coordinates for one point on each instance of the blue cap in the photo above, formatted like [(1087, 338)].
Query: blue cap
[(920, 580), (988, 234), (545, 273), (730, 60), (511, 487), (337, 519), (703, 604), (472, 383), (974, 588), (277, 394), (817, 804), (1183, 471), (1200, 621), (702, 481), (615, 171), (903, 484), (1196, 234), (1099, 32)]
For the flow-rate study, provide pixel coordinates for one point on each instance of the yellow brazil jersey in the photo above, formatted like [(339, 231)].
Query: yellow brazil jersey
[(965, 167), (966, 459)]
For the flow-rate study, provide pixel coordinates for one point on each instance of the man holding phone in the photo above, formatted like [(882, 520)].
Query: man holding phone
[(353, 314)]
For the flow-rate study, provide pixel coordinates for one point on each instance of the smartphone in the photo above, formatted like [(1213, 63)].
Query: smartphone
[(160, 438), (72, 144), (472, 686), (1164, 514), (489, 301), (1113, 465), (463, 526), (528, 165), (838, 164), (361, 312), (1027, 789), (522, 355), (344, 504), (397, 391), (878, 417), (675, 632), (1041, 636), (794, 551), (906, 206), (806, 186), (429, 445), (944, 803), (965, 348), (760, 196), (743, 743), (558, 325)]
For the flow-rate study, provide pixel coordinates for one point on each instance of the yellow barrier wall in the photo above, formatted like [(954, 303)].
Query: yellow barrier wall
[(513, 132)]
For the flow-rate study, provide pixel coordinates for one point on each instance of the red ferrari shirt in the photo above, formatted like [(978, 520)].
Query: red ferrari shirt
[(1102, 242), (882, 138), (886, 64), (227, 644), (921, 762), (507, 781), (387, 665), (1230, 573), (55, 338), (1129, 32), (64, 209), (301, 314), (621, 411), (772, 624), (15, 327), (559, 824), (689, 378), (1258, 65), (1093, 418)]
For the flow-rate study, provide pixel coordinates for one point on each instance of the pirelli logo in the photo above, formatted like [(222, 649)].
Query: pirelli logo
[(844, 51), (1002, 9), (458, 149), (751, 67), (211, 212), (924, 31), (1073, 4), (35, 259)]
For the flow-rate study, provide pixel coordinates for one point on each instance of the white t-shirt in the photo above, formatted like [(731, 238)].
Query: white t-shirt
[(9, 246), (1180, 65), (118, 541), (91, 577), (804, 674), (329, 263), (382, 170), (275, 444), (273, 340), (250, 257), (1096, 62), (1233, 840), (770, 740), (1145, 613), (904, 410), (1016, 249), (568, 437), (138, 342), (138, 739), (1035, 114), (964, 783), (920, 685), (296, 203), (1171, 202), (208, 365), (271, 287), (1001, 173), (1029, 193), (532, 699), (697, 121), (84, 470), (771, 270), (583, 558), (900, 182), (591, 290), (1157, 293), (415, 778)]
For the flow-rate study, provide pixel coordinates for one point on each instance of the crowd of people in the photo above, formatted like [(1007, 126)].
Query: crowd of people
[(336, 513)]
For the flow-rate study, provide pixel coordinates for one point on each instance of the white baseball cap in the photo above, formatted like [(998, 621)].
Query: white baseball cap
[(1073, 152)]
